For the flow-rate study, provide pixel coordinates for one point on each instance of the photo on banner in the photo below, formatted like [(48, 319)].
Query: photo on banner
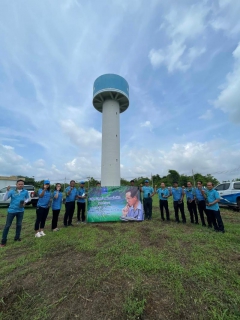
[(114, 204)]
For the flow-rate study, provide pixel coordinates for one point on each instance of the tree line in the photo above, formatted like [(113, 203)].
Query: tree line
[(156, 179)]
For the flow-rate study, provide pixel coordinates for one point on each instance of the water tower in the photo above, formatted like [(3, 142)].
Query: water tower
[(111, 97)]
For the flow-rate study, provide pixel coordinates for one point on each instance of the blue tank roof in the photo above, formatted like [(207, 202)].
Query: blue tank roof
[(110, 86)]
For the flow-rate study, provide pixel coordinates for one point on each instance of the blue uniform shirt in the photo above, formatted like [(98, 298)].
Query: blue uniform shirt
[(80, 192), (190, 193), (16, 197), (44, 201), (164, 191), (177, 193), (57, 202), (199, 195), (212, 195), (146, 190), (72, 195)]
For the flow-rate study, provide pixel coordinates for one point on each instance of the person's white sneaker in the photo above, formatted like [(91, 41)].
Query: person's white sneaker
[(42, 233), (38, 235)]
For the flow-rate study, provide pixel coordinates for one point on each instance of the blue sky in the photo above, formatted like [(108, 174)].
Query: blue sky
[(180, 58)]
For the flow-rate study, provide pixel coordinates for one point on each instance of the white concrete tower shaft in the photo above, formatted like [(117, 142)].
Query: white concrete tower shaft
[(110, 168), (111, 97)]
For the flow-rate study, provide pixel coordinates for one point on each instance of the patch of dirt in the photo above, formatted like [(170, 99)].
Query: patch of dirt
[(103, 226)]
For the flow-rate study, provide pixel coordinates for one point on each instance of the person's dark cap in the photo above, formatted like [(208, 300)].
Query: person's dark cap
[(146, 181), (46, 182)]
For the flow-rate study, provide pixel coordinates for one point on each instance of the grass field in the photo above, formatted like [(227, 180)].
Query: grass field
[(147, 270)]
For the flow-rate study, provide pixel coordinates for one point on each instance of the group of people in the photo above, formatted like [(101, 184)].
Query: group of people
[(47, 199), (199, 199)]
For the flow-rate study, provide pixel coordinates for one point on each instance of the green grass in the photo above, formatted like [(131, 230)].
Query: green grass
[(147, 270)]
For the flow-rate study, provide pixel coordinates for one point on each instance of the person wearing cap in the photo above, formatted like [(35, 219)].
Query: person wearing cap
[(19, 197), (56, 205), (43, 205), (148, 193), (71, 194), (163, 195), (81, 202), (178, 194)]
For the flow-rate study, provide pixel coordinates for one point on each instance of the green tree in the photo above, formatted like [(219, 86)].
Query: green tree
[(172, 176)]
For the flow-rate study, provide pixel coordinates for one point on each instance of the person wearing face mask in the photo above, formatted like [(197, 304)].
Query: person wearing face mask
[(19, 197)]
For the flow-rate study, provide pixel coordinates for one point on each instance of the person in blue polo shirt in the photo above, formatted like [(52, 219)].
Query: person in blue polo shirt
[(191, 204), (56, 206), (200, 200), (212, 198), (81, 202), (163, 195), (43, 205), (19, 197), (178, 194), (71, 194), (148, 193)]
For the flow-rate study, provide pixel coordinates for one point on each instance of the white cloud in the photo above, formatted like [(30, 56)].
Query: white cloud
[(12, 163), (226, 17), (207, 157), (186, 22), (229, 98), (146, 124), (40, 163), (181, 25), (89, 138), (195, 52), (207, 115), (82, 167)]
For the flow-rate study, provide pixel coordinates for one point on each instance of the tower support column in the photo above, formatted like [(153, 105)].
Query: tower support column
[(110, 168)]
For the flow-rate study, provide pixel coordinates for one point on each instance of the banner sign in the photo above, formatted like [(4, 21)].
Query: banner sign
[(114, 204)]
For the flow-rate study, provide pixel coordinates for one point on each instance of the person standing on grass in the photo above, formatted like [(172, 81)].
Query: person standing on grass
[(191, 204), (81, 202), (19, 197), (163, 195), (43, 205), (178, 194), (71, 193), (56, 205), (200, 200), (148, 193), (212, 198)]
